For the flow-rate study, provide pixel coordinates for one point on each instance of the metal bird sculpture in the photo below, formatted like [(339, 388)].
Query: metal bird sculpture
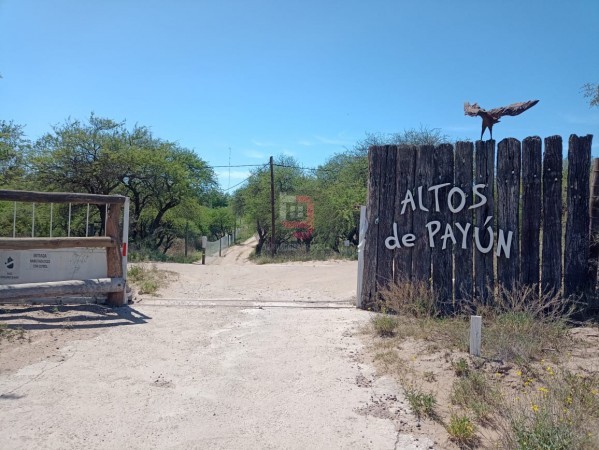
[(491, 117)]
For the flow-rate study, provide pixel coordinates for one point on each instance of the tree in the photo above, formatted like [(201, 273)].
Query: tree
[(103, 157), (221, 222), (341, 190), (591, 91), (342, 184), (253, 200), (13, 147)]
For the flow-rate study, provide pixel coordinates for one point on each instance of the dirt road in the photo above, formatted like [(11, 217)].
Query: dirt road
[(230, 356)]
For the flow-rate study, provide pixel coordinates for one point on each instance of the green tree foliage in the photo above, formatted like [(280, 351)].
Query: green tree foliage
[(13, 147), (104, 157), (341, 189), (342, 184), (221, 221), (253, 200)]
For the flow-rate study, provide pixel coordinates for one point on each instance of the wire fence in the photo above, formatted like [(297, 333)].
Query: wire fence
[(218, 247)]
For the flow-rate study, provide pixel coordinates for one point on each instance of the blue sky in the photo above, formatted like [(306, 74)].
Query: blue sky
[(306, 78)]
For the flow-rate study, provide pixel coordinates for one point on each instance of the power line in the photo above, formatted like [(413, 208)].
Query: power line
[(241, 182), (236, 165)]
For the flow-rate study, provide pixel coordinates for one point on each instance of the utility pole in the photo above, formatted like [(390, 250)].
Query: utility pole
[(272, 209)]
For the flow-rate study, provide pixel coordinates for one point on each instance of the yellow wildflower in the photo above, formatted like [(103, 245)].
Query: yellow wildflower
[(535, 408), (544, 390), (519, 373)]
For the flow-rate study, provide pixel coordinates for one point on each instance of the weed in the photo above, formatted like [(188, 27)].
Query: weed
[(384, 324), (422, 404), (561, 414), (415, 299), (429, 376), (474, 392), (462, 431), (148, 279), (11, 334), (461, 367)]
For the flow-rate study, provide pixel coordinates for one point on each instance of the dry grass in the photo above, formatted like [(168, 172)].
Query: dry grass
[(11, 334), (148, 278), (526, 392)]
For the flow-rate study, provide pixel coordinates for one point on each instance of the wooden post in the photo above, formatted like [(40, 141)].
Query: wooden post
[(594, 226), (376, 163), (114, 259), (508, 211), (273, 248), (423, 178), (384, 271), (475, 335), (551, 263), (576, 258), (406, 163), (484, 173), (531, 211), (464, 266), (441, 259)]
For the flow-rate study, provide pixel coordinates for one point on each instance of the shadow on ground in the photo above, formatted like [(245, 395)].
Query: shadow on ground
[(48, 317)]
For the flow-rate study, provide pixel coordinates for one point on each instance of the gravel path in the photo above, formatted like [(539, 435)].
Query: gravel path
[(230, 356)]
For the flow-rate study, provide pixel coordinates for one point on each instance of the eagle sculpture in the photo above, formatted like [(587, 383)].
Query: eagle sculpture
[(491, 117)]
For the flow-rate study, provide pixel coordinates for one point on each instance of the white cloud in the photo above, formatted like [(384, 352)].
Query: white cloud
[(305, 143), (262, 143), (333, 141), (254, 154)]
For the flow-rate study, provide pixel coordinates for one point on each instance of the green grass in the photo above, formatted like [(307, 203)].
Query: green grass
[(11, 334), (462, 431), (473, 391), (384, 324), (148, 279), (422, 404)]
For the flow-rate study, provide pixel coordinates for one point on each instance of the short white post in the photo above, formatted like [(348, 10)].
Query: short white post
[(475, 335)]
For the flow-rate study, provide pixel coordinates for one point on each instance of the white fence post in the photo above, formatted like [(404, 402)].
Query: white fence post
[(361, 243), (475, 335), (125, 245)]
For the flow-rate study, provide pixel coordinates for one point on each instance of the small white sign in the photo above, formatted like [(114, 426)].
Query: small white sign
[(33, 266)]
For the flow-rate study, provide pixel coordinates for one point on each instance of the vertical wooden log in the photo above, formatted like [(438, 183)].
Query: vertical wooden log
[(463, 249), (441, 258), (484, 173), (406, 162), (423, 178), (531, 211), (576, 258), (594, 226), (114, 258), (375, 167), (384, 269), (508, 208), (551, 263)]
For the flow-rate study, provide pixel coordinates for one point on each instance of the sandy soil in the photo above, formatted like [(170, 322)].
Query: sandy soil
[(232, 355)]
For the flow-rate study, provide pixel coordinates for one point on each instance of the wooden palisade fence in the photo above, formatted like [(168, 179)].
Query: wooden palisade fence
[(113, 285), (466, 220)]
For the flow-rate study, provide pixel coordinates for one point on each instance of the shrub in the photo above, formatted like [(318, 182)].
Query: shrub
[(422, 404), (415, 299), (384, 324), (462, 431)]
